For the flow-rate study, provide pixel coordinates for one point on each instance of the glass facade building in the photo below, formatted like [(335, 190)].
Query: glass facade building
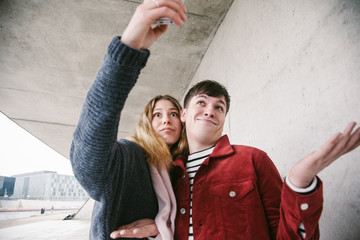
[(48, 185)]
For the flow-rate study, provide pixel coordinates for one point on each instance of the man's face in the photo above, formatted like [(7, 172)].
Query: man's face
[(204, 118)]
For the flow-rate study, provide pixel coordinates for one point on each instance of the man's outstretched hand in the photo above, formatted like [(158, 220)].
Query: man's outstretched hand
[(307, 168)]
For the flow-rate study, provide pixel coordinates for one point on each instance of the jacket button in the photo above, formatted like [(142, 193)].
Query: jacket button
[(304, 206), (232, 194), (183, 211), (183, 176)]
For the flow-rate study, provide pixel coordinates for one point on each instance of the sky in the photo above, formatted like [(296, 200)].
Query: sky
[(21, 152)]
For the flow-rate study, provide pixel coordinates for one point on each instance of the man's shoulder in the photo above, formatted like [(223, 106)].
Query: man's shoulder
[(225, 148), (248, 149)]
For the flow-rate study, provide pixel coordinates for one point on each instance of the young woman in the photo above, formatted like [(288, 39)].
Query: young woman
[(119, 175)]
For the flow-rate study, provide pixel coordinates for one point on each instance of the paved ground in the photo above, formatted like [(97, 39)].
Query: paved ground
[(48, 226)]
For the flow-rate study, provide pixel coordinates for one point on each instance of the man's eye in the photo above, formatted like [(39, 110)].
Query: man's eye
[(201, 102), (220, 108)]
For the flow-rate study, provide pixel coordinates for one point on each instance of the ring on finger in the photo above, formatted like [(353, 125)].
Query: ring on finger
[(156, 2)]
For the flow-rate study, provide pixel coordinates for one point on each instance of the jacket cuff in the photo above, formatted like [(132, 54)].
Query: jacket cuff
[(311, 188), (126, 55), (305, 208)]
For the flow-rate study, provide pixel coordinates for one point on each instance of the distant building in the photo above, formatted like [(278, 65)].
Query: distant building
[(48, 185), (6, 186)]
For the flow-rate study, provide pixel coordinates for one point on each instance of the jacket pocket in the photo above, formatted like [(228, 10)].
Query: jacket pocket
[(232, 191), (232, 202)]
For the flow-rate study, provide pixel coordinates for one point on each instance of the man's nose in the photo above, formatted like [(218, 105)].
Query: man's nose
[(209, 112)]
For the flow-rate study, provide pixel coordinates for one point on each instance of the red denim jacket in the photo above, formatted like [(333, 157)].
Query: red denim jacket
[(239, 194)]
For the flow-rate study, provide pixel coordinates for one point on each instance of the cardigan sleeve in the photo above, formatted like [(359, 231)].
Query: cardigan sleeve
[(94, 149)]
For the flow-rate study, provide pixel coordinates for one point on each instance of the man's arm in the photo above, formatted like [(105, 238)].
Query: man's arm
[(304, 210)]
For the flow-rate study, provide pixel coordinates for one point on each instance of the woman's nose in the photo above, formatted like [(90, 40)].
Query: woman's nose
[(166, 120)]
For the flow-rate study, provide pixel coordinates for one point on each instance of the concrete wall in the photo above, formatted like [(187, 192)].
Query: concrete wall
[(293, 71)]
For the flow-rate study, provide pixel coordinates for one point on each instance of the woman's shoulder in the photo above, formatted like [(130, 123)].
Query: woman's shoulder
[(127, 142), (130, 145), (131, 154)]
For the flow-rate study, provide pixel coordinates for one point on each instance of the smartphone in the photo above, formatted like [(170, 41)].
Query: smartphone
[(165, 20)]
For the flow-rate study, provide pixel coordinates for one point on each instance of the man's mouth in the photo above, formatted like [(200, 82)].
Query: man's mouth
[(207, 120)]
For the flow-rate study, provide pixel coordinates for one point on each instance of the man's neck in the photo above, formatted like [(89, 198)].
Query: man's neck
[(197, 146)]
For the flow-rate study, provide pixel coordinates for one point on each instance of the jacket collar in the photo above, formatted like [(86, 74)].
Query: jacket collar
[(222, 148)]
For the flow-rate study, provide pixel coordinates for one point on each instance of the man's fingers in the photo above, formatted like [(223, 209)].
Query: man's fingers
[(354, 141), (349, 128), (348, 140), (340, 144)]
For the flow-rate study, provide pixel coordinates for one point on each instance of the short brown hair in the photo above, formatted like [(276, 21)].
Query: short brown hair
[(210, 88)]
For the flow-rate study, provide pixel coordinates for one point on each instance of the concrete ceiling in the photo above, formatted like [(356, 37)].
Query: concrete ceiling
[(50, 52)]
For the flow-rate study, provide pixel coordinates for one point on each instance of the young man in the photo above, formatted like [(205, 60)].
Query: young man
[(226, 191)]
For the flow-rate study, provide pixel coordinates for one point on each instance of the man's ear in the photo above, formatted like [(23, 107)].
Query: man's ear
[(182, 116)]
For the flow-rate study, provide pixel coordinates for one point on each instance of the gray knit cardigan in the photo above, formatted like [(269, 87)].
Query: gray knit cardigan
[(114, 173)]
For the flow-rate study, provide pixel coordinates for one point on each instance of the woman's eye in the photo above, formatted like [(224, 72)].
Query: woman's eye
[(157, 115), (220, 108), (174, 114)]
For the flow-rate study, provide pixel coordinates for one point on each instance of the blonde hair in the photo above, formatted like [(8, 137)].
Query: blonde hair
[(156, 149)]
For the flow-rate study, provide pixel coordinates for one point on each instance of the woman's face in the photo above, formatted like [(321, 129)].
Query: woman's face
[(166, 121)]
